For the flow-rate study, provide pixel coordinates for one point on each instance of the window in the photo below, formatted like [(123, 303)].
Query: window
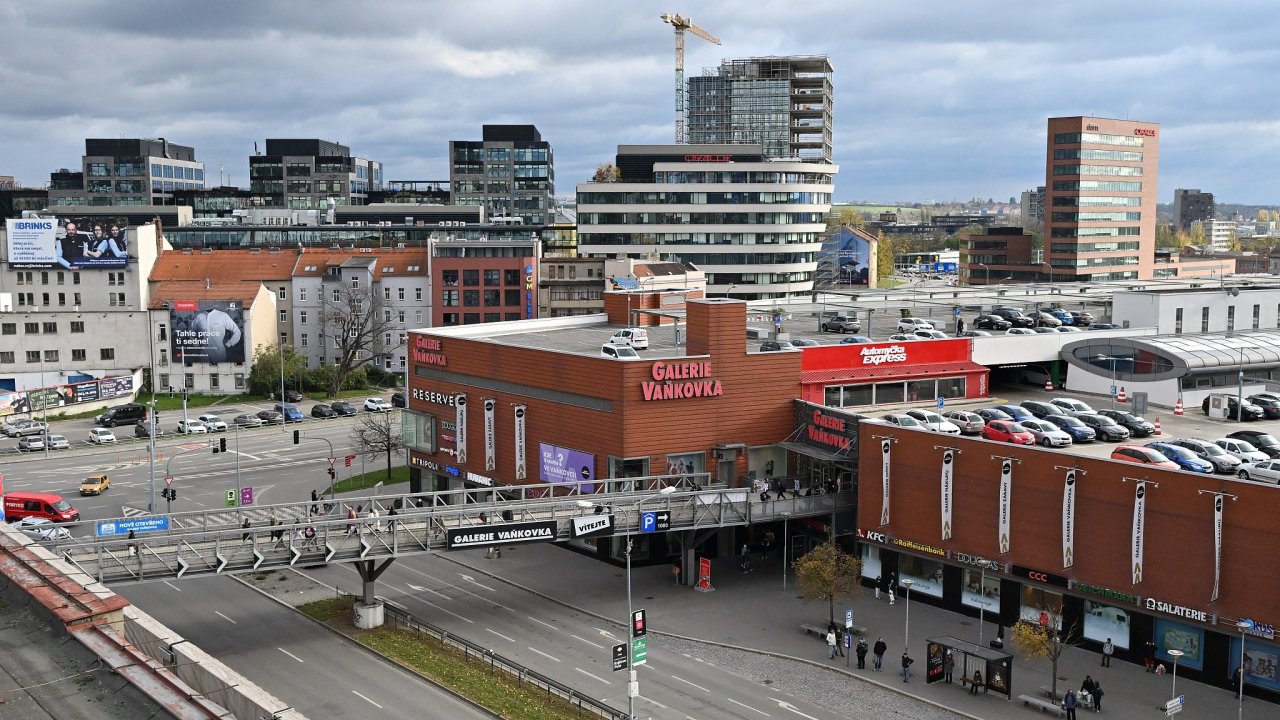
[(386, 293), (514, 316), (189, 381), (417, 294), (44, 298), (51, 356), (107, 354), (31, 328), (1231, 318), (386, 339), (302, 317), (492, 278), (282, 293), (511, 297), (470, 318), (417, 317), (9, 329), (1257, 316), (33, 356), (337, 295), (213, 381), (44, 278), (75, 278), (492, 317), (62, 278), (449, 298), (284, 316), (49, 328), (76, 299), (302, 294), (239, 381), (449, 277), (450, 319), (511, 277), (1204, 320), (471, 277), (400, 293), (78, 355), (1177, 321), (401, 317), (164, 357), (284, 338), (6, 357), (471, 298), (492, 298), (355, 282), (62, 299)]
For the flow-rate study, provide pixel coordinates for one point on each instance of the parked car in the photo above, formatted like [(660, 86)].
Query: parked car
[(804, 342), (856, 340), (22, 428), (191, 427), (911, 324), (1104, 326), (968, 422), (1067, 329), (1182, 457), (291, 412), (320, 410), (1063, 316), (637, 338), (1046, 433), (126, 414), (1078, 431), (56, 442), (930, 334), (989, 414), (1071, 406), (935, 422), (1270, 405), (901, 420), (991, 322), (1034, 375), (376, 404), (343, 408), (1143, 456), (1205, 450), (95, 484), (1044, 319), (973, 333), (1260, 440), (1241, 449), (1008, 431), (142, 429), (1267, 471), (1040, 408), (101, 436), (842, 324), (1137, 425), (776, 346), (294, 396), (270, 417), (213, 423), (1082, 318), (27, 443), (41, 529), (1014, 317), (1251, 411), (1017, 412), (246, 420), (618, 352), (1019, 331), (1105, 427), (1044, 330)]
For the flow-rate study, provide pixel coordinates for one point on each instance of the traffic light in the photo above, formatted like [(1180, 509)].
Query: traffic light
[(332, 473), (173, 493), (222, 444), (297, 436)]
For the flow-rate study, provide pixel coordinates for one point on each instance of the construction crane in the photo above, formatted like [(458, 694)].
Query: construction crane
[(681, 24)]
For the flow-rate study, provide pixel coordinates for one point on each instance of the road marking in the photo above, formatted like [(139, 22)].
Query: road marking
[(495, 632), (286, 652), (549, 657), (792, 708), (224, 617), (455, 587), (652, 701), (735, 702), (553, 627), (686, 682), (594, 677), (472, 580), (419, 588), (175, 587), (362, 697), (606, 633), (460, 617), (596, 645)]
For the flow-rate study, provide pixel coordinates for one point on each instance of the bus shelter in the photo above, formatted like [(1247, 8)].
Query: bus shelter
[(996, 666)]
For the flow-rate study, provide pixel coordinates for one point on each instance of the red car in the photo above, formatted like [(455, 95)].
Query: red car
[(1143, 456), (1008, 431)]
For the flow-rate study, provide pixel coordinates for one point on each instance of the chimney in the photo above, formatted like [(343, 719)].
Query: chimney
[(716, 326)]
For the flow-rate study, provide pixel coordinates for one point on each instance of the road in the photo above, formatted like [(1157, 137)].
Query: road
[(320, 675)]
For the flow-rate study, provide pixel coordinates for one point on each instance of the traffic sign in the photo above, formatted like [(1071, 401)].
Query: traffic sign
[(957, 312), (638, 626), (168, 481), (231, 498), (1174, 710), (848, 618), (1113, 391), (655, 521), (941, 403), (1175, 703), (246, 496), (620, 657), (639, 651)]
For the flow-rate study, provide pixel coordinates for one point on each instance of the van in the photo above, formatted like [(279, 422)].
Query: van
[(637, 338), (127, 414), (18, 505)]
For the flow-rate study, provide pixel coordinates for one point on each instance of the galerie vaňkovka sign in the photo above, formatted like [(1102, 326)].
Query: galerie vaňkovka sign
[(823, 427), (675, 381), (428, 351)]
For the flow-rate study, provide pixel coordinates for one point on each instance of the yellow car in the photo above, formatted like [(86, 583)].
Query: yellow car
[(94, 485)]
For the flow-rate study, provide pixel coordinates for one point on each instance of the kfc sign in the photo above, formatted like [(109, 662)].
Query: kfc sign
[(884, 354), (1149, 132)]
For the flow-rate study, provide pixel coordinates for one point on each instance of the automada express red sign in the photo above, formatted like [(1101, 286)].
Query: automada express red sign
[(881, 355), (845, 356)]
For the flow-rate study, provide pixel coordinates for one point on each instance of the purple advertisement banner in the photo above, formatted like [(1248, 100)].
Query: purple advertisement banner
[(559, 465), (115, 387)]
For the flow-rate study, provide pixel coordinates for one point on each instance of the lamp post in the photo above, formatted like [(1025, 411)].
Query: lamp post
[(1240, 380), (785, 517), (633, 686), (906, 631), (1175, 654), (982, 603), (1244, 625), (984, 267), (1113, 376), (44, 406)]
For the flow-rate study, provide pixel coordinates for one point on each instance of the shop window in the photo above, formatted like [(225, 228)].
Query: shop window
[(1177, 321), (628, 467), (832, 398), (951, 387), (921, 390), (888, 393), (925, 575), (1204, 320), (858, 395), (1038, 604), (1104, 621), (686, 464), (981, 590), (870, 555)]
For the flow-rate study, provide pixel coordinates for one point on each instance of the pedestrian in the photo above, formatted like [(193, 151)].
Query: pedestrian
[(244, 538), (948, 666), (391, 523), (879, 582), (839, 641), (133, 546), (768, 544), (878, 651), (906, 666), (1108, 649), (892, 587), (1069, 704), (277, 535), (315, 498), (1097, 696), (795, 491), (861, 652), (1088, 684), (745, 559), (351, 520), (309, 534), (831, 642), (1235, 682), (976, 682), (1149, 656)]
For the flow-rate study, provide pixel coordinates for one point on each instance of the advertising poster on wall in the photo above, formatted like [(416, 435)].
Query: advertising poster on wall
[(1106, 621), (115, 387), (71, 244), (85, 392), (12, 403), (1261, 663), (49, 398), (1176, 636), (207, 331), (561, 465)]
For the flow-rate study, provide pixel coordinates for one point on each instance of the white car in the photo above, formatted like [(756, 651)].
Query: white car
[(191, 427), (930, 334), (1268, 471), (1019, 331), (101, 436), (57, 442), (377, 404), (1241, 449), (637, 338), (935, 422), (911, 324), (42, 529), (213, 423), (619, 352), (1072, 407), (1046, 433)]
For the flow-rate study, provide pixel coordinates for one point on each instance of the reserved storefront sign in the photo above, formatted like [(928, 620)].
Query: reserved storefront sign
[(506, 534)]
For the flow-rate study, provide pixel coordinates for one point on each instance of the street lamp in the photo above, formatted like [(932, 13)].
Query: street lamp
[(785, 517), (1113, 376), (1175, 654), (633, 687), (1244, 625), (1240, 387), (984, 267), (906, 632)]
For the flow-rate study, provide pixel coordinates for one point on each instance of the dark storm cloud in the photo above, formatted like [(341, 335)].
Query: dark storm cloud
[(933, 100)]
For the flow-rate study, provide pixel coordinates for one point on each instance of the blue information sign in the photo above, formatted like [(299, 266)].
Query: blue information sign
[(941, 403), (137, 525)]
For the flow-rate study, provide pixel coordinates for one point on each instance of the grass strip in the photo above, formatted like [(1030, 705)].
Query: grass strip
[(399, 474)]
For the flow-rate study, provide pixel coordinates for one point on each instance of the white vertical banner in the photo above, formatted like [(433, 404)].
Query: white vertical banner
[(521, 464), (885, 446), (948, 478), (1217, 545), (490, 444), (1139, 519), (1069, 520), (1006, 493), (460, 432)]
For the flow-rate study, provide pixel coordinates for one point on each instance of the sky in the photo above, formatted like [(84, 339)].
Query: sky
[(934, 101)]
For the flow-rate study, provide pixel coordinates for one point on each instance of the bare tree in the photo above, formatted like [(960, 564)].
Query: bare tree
[(376, 433), (1045, 639), (358, 326)]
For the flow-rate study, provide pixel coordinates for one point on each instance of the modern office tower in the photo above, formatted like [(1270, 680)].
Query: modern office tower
[(511, 172), (781, 103), (754, 226), (308, 174), (1190, 205), (128, 172), (1100, 198)]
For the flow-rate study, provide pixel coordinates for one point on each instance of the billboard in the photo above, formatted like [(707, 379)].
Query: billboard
[(48, 243), (558, 465), (207, 331), (43, 399)]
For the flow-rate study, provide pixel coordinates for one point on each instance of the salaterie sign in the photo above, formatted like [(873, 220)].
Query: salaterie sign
[(679, 380)]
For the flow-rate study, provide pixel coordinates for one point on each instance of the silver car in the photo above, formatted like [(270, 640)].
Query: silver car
[(1246, 452), (935, 422), (248, 420), (1046, 433), (57, 442), (42, 529), (1072, 407), (969, 423)]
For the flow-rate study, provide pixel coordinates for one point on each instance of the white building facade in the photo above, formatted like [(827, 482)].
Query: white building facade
[(1217, 309)]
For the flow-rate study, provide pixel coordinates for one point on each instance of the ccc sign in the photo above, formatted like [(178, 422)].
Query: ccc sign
[(1039, 576)]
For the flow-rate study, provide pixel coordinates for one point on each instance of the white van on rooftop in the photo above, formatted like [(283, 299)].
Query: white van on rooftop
[(635, 337)]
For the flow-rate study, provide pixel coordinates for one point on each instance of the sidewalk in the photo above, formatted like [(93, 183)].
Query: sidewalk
[(752, 611)]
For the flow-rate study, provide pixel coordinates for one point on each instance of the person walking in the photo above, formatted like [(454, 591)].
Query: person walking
[(244, 538), (769, 538), (878, 651), (745, 558), (1149, 656), (948, 666), (861, 651), (976, 682), (892, 587), (839, 641), (831, 642), (1069, 704), (906, 666), (1235, 682), (1108, 649), (879, 582), (1097, 696)]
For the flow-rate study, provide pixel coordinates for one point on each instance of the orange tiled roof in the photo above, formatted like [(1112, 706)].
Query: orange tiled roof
[(243, 292), (220, 266), (389, 261)]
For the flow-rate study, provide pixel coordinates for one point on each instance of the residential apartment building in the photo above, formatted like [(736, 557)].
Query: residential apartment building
[(128, 172), (1033, 209), (1100, 198), (1218, 234), (482, 281), (570, 286), (311, 174), (754, 226), (783, 104), (1190, 205), (510, 171)]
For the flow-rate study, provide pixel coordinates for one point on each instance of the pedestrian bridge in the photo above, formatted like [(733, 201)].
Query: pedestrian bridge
[(374, 530)]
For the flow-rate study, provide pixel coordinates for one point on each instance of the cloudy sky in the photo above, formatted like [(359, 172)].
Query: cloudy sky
[(934, 100)]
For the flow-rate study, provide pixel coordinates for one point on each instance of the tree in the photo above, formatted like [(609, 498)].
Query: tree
[(375, 434), (885, 249), (1263, 215), (845, 217), (606, 173), (264, 376), (358, 326), (1197, 234), (1165, 237), (826, 573), (1044, 640)]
